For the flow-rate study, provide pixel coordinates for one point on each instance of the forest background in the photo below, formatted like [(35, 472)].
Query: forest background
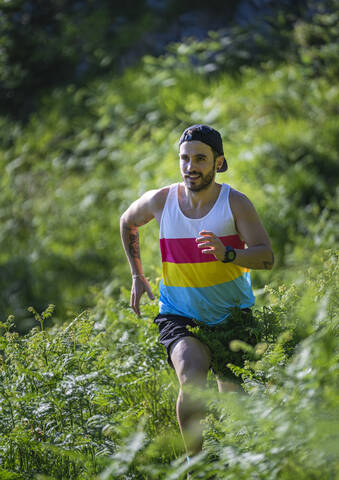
[(93, 99)]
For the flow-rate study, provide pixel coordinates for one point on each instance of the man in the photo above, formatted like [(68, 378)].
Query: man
[(204, 227)]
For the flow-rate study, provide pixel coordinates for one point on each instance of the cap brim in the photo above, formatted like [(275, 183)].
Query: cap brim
[(223, 167)]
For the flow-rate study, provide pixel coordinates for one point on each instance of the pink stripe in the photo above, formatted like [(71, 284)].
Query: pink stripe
[(185, 250)]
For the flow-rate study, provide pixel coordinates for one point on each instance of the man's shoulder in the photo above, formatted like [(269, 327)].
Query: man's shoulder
[(238, 197), (157, 197), (240, 204), (238, 200)]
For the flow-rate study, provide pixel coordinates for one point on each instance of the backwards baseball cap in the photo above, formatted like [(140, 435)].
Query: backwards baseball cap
[(208, 135)]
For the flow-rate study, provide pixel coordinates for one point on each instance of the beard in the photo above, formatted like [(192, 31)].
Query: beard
[(202, 182)]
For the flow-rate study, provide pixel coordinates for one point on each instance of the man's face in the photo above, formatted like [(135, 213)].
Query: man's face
[(197, 165)]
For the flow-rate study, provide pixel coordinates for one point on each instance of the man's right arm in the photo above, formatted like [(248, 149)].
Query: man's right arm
[(141, 211)]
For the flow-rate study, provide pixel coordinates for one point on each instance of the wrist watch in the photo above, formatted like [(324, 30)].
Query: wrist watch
[(230, 255)]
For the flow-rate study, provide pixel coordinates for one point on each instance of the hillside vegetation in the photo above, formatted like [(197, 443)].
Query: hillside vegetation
[(70, 171), (94, 399), (86, 394)]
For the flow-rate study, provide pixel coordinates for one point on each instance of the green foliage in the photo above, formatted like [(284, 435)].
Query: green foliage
[(67, 398), (92, 397), (95, 399), (84, 39), (247, 344), (90, 151), (6, 475), (233, 342), (79, 39)]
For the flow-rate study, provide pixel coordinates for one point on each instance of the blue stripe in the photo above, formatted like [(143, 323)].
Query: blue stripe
[(210, 305)]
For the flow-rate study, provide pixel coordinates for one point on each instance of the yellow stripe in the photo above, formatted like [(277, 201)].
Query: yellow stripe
[(200, 274)]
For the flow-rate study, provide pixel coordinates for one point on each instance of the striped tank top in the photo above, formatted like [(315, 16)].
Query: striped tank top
[(194, 284)]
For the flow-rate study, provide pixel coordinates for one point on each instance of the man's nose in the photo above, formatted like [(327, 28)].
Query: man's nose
[(190, 165)]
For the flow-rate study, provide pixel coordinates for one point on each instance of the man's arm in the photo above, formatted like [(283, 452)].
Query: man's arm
[(259, 254), (139, 213)]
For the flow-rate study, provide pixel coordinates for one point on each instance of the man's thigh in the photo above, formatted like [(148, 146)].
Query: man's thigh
[(172, 328), (191, 360)]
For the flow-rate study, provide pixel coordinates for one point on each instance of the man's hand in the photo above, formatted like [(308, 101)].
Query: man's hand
[(209, 244), (139, 286)]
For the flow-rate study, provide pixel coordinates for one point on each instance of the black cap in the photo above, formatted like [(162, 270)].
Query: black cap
[(207, 135)]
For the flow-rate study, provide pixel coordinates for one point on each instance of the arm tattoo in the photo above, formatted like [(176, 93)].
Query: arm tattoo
[(133, 243)]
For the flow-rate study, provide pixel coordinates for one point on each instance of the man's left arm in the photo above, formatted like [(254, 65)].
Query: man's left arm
[(259, 254)]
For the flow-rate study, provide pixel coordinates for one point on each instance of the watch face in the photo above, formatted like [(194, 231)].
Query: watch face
[(231, 255)]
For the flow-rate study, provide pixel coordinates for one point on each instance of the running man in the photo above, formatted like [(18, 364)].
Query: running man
[(204, 229)]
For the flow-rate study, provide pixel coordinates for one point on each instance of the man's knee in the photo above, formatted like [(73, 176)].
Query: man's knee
[(192, 376)]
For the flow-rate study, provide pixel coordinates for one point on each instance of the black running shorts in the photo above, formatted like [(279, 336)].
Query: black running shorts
[(174, 327)]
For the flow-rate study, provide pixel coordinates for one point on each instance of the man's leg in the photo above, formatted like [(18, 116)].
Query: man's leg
[(229, 386), (191, 360)]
